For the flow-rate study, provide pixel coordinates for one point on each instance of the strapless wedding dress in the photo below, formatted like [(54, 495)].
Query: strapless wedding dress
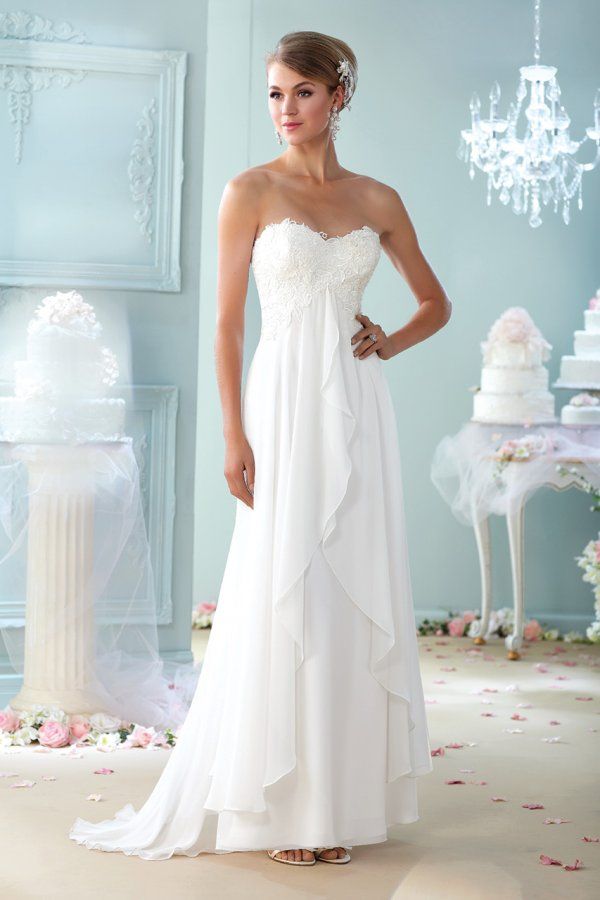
[(308, 724)]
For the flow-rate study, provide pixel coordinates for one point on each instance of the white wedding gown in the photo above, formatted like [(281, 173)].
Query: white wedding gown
[(308, 724)]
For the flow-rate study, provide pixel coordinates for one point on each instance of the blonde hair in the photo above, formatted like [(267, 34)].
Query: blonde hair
[(315, 55)]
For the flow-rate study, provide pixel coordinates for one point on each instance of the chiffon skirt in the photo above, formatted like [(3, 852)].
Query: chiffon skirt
[(308, 724)]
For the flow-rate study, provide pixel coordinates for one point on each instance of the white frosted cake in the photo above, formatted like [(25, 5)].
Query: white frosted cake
[(583, 369), (582, 409), (61, 388), (514, 380)]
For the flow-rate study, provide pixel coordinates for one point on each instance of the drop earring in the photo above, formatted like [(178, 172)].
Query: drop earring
[(279, 138), (334, 123)]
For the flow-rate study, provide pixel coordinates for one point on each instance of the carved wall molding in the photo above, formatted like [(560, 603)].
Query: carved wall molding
[(23, 25), (142, 169), (152, 164)]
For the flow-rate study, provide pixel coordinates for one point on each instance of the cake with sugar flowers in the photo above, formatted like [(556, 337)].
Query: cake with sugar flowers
[(62, 387), (514, 379)]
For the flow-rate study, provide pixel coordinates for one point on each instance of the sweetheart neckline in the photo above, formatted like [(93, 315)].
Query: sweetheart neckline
[(325, 240)]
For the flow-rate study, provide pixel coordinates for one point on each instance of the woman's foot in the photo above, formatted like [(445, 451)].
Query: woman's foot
[(332, 853), (295, 855)]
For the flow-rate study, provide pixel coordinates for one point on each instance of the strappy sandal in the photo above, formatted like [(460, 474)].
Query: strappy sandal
[(338, 859), (292, 862)]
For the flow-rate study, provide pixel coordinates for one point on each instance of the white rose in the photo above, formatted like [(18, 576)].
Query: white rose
[(25, 735), (6, 739), (103, 722), (108, 742)]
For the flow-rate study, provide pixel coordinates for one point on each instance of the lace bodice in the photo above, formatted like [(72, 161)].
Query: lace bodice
[(293, 264)]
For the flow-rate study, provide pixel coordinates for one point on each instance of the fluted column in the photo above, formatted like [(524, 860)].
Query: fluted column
[(59, 618)]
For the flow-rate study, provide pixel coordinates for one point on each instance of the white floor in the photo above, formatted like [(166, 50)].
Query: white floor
[(465, 845)]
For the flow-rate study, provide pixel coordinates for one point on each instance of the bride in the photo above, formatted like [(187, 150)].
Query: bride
[(307, 730)]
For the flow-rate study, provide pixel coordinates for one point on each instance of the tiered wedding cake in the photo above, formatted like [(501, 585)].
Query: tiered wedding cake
[(583, 369), (61, 388), (514, 381)]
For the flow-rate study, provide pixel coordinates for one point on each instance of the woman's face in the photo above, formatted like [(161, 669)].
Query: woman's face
[(293, 98)]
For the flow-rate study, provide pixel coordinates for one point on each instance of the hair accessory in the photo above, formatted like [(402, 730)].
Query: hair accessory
[(347, 79)]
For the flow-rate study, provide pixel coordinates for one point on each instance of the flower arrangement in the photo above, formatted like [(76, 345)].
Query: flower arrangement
[(109, 366), (589, 561), (51, 727), (584, 399), (203, 615), (519, 450), (515, 325), (501, 624), (65, 309)]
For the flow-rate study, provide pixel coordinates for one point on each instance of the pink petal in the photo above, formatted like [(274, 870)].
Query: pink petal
[(103, 771), (489, 715), (455, 746), (490, 690), (454, 781), (8, 774), (584, 698), (557, 821), (591, 840), (95, 797), (48, 777), (439, 681), (499, 799), (548, 861), (554, 722), (25, 783), (532, 805), (467, 771), (576, 865), (518, 717)]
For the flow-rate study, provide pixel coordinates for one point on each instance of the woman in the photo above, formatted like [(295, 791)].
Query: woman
[(307, 730)]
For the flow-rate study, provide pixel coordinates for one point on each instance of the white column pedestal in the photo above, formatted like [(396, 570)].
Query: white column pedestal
[(59, 624)]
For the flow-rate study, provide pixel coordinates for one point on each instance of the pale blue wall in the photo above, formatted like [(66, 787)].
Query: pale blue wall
[(418, 65), (163, 326)]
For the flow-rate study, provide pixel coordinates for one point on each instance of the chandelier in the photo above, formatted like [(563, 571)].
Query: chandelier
[(539, 167)]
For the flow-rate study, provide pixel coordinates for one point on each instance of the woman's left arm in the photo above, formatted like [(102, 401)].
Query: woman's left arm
[(400, 243)]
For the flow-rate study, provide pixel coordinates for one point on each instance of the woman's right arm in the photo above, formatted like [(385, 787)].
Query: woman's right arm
[(236, 231)]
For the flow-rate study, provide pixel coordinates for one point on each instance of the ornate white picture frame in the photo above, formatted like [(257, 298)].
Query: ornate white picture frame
[(91, 165)]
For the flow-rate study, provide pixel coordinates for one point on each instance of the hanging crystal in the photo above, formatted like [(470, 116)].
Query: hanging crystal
[(539, 168)]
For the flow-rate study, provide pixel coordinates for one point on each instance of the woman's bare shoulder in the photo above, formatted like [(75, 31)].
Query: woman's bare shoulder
[(383, 202)]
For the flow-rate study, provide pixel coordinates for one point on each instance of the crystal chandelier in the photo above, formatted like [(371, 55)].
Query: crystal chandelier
[(539, 167)]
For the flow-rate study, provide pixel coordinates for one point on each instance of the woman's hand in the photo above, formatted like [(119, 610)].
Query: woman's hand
[(365, 345), (239, 462)]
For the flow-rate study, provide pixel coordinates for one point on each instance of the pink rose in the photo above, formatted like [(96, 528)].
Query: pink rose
[(53, 734), (532, 630), (456, 627), (79, 726), (9, 719), (206, 607), (141, 737), (469, 616)]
